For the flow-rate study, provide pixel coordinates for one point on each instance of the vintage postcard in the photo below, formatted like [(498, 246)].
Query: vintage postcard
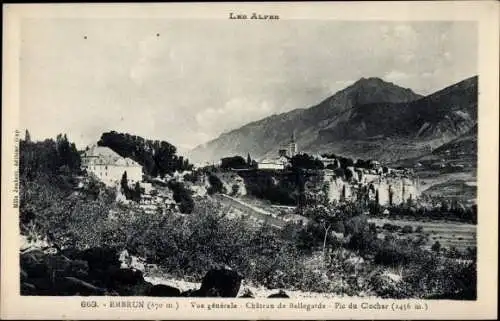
[(250, 161)]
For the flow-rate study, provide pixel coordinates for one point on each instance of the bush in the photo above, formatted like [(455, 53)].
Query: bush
[(235, 189), (436, 247), (182, 197), (419, 229), (216, 185), (407, 229), (191, 177), (392, 254), (471, 253), (432, 279), (374, 208), (390, 227), (364, 241), (355, 224), (385, 287), (339, 227), (66, 219)]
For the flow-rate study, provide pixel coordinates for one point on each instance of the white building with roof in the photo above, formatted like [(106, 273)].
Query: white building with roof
[(108, 166), (273, 164)]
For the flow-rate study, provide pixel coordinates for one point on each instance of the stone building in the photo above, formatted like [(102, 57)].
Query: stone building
[(292, 147), (273, 164), (108, 166)]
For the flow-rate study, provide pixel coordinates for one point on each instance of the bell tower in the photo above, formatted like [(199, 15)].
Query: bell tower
[(292, 146)]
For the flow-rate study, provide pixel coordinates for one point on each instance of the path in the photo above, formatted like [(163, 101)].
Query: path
[(248, 209)]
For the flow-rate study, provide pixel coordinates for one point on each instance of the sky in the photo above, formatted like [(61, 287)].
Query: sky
[(188, 81)]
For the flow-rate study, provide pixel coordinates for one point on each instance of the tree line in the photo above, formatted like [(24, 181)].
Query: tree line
[(48, 156), (157, 158)]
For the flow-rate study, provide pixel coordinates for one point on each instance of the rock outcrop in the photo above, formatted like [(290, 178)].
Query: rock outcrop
[(221, 282), (280, 294), (94, 271), (99, 271), (387, 189)]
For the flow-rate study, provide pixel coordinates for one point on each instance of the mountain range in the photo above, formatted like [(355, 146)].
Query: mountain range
[(371, 118)]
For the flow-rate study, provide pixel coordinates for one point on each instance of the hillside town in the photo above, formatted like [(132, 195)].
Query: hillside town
[(182, 158), (385, 186)]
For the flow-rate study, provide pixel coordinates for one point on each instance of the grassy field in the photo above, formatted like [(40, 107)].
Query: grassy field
[(458, 235)]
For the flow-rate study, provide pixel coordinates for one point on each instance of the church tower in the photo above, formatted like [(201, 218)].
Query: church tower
[(292, 146)]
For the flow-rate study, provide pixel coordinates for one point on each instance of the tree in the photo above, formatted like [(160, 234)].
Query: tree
[(182, 197), (158, 158), (249, 160), (346, 162), (326, 215), (136, 195), (305, 161), (236, 162), (362, 163), (436, 247), (216, 185), (48, 157), (124, 182)]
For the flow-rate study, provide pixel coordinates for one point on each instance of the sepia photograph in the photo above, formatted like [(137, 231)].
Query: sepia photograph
[(247, 157)]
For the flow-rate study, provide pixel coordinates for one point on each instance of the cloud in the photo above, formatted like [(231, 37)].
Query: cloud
[(427, 74), (344, 82), (200, 78), (396, 75), (149, 49), (234, 113)]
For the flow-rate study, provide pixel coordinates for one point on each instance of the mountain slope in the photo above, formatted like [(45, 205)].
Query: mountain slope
[(449, 112), (264, 136), (464, 144), (369, 119), (389, 131)]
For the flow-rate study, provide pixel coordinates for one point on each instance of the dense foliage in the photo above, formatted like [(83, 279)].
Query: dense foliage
[(452, 212), (305, 161), (134, 193), (51, 208), (53, 205), (216, 185), (158, 158), (283, 188), (182, 196), (234, 162), (426, 274), (47, 157)]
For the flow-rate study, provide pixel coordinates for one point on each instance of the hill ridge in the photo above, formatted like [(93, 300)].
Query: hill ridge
[(370, 107)]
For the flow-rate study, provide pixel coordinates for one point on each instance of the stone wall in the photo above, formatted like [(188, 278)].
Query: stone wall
[(398, 188)]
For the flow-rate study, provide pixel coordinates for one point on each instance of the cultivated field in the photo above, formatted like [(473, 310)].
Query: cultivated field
[(448, 234), (458, 235)]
